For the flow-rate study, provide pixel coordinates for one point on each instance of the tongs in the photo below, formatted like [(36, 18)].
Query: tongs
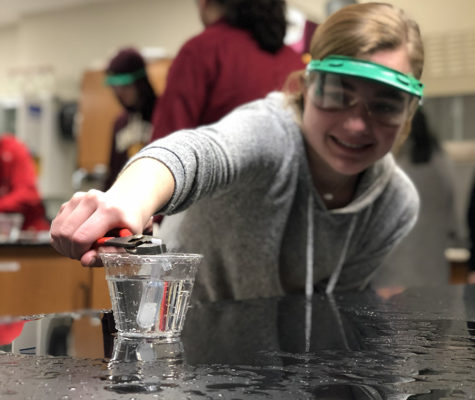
[(152, 299), (133, 244)]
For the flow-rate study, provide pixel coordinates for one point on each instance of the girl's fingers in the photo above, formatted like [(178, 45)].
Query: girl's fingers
[(91, 258), (71, 230), (86, 218)]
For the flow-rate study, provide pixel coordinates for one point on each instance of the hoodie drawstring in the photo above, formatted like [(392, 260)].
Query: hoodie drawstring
[(309, 275), (310, 257), (336, 273)]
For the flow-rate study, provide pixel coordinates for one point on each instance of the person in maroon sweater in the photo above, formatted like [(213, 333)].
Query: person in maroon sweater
[(239, 57), (18, 192)]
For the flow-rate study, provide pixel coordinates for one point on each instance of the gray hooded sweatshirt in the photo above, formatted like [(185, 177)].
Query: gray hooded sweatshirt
[(244, 198)]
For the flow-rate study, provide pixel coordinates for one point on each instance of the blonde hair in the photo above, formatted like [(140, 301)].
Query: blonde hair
[(359, 30)]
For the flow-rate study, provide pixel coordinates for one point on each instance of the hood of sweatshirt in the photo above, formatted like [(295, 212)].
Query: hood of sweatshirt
[(371, 185)]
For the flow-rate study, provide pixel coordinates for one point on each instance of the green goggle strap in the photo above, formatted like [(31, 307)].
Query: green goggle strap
[(124, 79), (368, 70)]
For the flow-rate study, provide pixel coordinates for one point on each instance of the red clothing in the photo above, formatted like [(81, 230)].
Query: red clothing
[(216, 71), (10, 331), (18, 193)]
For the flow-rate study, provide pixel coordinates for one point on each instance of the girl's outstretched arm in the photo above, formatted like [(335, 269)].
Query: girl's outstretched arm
[(141, 189)]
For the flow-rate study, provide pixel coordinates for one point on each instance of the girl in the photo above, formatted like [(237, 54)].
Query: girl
[(288, 193)]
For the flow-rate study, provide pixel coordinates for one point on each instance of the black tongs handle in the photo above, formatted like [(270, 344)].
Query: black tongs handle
[(134, 244)]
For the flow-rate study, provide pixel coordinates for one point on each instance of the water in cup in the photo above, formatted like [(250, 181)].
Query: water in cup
[(161, 314), (150, 294)]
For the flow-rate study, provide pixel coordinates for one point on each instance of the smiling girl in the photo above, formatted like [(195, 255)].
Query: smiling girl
[(291, 193)]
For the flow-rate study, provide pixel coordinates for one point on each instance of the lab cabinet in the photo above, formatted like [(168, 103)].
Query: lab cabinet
[(36, 279)]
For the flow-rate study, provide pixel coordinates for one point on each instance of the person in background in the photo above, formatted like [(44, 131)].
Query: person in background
[(18, 191), (420, 259), (240, 56), (294, 192), (127, 77)]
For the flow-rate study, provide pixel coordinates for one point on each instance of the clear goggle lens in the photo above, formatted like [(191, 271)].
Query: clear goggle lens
[(384, 104)]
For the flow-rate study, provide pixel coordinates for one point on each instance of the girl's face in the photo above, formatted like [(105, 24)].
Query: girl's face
[(347, 141), (127, 95)]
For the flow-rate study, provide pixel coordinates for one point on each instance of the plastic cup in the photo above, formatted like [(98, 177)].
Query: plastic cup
[(141, 365), (127, 350), (10, 226), (150, 294)]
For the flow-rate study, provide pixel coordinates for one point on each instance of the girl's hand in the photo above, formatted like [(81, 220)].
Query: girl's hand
[(140, 190), (87, 217)]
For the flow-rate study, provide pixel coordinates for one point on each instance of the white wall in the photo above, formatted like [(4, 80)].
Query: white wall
[(433, 16), (79, 37), (8, 53), (74, 39)]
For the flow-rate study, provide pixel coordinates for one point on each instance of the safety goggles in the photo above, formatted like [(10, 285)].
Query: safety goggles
[(339, 83), (124, 79)]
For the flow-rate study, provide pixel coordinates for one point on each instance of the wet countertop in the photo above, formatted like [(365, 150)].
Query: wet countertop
[(417, 344)]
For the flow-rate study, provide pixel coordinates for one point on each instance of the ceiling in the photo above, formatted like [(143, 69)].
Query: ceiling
[(13, 10)]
